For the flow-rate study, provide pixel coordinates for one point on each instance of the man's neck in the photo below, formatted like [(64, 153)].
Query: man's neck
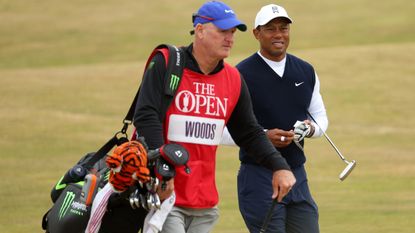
[(278, 58), (206, 64)]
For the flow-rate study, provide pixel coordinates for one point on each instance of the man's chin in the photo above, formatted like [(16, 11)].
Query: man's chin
[(278, 52), (225, 54)]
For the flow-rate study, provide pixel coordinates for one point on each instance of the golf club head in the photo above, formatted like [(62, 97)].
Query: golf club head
[(347, 170)]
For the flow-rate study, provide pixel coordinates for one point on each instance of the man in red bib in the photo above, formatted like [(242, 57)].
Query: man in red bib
[(211, 95)]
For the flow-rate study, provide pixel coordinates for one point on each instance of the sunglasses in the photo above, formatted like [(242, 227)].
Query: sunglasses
[(195, 15)]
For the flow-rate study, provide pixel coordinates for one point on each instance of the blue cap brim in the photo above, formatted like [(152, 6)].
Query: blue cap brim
[(229, 23)]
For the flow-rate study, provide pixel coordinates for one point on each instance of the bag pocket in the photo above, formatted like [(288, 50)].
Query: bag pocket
[(68, 214)]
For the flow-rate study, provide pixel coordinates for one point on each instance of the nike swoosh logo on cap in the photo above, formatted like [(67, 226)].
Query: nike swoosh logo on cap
[(298, 84)]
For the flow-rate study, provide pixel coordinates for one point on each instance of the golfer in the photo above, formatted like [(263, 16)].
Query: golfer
[(283, 89), (211, 95)]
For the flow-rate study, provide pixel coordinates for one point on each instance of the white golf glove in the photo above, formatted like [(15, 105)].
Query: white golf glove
[(301, 130)]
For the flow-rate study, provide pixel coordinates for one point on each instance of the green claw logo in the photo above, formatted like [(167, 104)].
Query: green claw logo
[(174, 82), (67, 202)]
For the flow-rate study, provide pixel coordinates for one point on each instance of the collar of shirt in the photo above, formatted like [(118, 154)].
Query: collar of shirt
[(277, 66)]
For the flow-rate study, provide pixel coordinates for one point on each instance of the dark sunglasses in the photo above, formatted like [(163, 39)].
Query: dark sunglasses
[(195, 15)]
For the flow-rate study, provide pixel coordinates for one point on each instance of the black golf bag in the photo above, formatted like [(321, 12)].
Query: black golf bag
[(73, 196), (74, 193)]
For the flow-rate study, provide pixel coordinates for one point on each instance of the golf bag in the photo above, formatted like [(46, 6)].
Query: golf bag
[(75, 191), (73, 195)]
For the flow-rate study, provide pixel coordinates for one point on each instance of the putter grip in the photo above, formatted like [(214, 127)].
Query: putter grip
[(268, 217)]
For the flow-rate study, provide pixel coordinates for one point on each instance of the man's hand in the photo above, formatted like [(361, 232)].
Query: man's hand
[(303, 129), (167, 191), (280, 138), (282, 182)]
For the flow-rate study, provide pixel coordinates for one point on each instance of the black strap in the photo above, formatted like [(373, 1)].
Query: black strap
[(103, 151), (174, 71)]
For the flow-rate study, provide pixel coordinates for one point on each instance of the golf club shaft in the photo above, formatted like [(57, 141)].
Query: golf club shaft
[(334, 146), (268, 217), (329, 140)]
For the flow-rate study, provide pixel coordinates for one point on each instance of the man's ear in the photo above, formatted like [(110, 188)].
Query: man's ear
[(255, 31), (199, 30)]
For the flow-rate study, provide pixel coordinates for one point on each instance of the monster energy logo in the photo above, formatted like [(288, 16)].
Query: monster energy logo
[(174, 82), (151, 65), (69, 197), (107, 175)]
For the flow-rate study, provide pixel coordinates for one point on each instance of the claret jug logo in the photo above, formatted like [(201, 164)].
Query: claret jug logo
[(202, 101)]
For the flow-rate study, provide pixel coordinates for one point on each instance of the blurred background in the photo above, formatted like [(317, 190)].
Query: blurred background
[(69, 71)]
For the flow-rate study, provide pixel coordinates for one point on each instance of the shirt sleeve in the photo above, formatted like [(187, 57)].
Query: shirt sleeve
[(250, 136), (147, 116), (227, 138), (318, 110)]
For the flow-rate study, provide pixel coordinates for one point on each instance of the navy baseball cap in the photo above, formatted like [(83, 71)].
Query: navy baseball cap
[(218, 13)]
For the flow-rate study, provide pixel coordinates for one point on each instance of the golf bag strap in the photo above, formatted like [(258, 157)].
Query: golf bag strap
[(103, 151), (174, 69)]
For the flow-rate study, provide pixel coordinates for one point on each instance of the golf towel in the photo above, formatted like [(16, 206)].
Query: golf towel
[(155, 218), (153, 222), (99, 207)]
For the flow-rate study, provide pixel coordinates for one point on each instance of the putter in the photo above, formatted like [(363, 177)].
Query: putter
[(350, 165)]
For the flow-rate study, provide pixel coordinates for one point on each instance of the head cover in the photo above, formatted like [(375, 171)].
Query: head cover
[(218, 13), (270, 12)]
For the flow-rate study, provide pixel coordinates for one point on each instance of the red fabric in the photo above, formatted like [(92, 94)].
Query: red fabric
[(198, 189)]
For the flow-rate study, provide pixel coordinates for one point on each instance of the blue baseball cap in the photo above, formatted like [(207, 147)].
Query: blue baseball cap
[(218, 13)]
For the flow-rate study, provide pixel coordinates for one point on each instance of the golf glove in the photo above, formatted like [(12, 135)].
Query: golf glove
[(301, 130)]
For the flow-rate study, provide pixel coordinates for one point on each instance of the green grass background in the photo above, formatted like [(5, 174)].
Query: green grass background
[(69, 69)]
